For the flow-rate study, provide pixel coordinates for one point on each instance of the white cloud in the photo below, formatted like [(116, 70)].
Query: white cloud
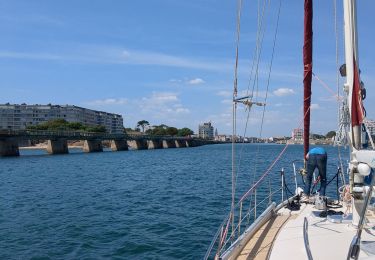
[(227, 101), (175, 80), (160, 98), (145, 57), (196, 81), (30, 56), (119, 55), (283, 92), (161, 105), (224, 93), (182, 110), (314, 106), (108, 101)]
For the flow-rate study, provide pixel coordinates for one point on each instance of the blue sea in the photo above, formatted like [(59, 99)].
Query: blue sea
[(147, 204)]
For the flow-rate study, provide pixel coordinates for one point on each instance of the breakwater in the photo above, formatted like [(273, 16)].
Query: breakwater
[(57, 141)]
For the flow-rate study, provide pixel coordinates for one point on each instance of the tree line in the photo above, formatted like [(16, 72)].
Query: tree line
[(144, 127), (62, 124)]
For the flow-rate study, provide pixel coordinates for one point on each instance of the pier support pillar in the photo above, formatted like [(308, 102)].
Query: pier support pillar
[(57, 146), (9, 147), (154, 144), (90, 146), (194, 143), (119, 145), (169, 143), (137, 144), (187, 143), (180, 143)]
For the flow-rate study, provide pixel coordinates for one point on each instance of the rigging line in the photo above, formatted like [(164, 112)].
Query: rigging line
[(257, 183), (269, 73), (338, 83), (242, 147), (234, 174), (270, 68), (257, 50), (271, 166), (258, 46), (252, 179), (338, 98), (267, 88), (239, 8), (256, 81), (262, 30), (259, 43)]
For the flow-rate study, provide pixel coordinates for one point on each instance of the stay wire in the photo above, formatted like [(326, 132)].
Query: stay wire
[(239, 8), (259, 44)]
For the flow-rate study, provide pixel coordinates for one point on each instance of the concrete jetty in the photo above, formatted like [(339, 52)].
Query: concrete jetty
[(57, 141)]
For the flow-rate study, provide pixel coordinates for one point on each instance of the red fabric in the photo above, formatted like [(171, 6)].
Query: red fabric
[(357, 110), (307, 72)]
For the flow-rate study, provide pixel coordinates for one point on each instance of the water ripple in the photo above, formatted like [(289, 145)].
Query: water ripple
[(160, 204)]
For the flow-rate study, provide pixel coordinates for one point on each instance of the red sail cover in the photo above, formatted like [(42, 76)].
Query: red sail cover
[(307, 72), (357, 109)]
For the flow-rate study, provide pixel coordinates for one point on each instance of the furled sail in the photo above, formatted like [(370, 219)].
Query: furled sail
[(357, 108), (307, 72)]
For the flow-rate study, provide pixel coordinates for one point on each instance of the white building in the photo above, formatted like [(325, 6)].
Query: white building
[(371, 127), (206, 131), (18, 117), (297, 134)]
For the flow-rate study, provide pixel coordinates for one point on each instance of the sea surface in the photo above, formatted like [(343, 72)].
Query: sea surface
[(148, 204)]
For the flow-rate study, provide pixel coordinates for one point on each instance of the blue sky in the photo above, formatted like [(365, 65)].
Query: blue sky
[(171, 61)]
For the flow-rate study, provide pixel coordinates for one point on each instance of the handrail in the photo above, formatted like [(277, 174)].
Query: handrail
[(207, 255), (248, 214), (240, 212), (243, 217), (240, 243), (306, 239)]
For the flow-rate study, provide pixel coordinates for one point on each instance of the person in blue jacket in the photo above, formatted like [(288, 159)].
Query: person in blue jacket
[(316, 158)]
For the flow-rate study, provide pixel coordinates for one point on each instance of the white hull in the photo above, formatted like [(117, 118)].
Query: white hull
[(284, 239)]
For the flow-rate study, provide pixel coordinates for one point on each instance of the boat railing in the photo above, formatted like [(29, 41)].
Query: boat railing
[(254, 203), (252, 210)]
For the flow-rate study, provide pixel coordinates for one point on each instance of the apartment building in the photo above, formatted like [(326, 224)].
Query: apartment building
[(18, 117)]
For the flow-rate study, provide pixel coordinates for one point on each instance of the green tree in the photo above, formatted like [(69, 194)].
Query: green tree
[(61, 124), (96, 129), (185, 132), (317, 136), (143, 124), (331, 134), (172, 131), (159, 130), (76, 126), (128, 129), (56, 124)]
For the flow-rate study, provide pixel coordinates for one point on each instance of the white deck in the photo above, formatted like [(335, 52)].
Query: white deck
[(327, 240)]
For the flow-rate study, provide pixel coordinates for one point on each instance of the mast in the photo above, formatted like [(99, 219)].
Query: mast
[(352, 86), (307, 72), (362, 161)]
